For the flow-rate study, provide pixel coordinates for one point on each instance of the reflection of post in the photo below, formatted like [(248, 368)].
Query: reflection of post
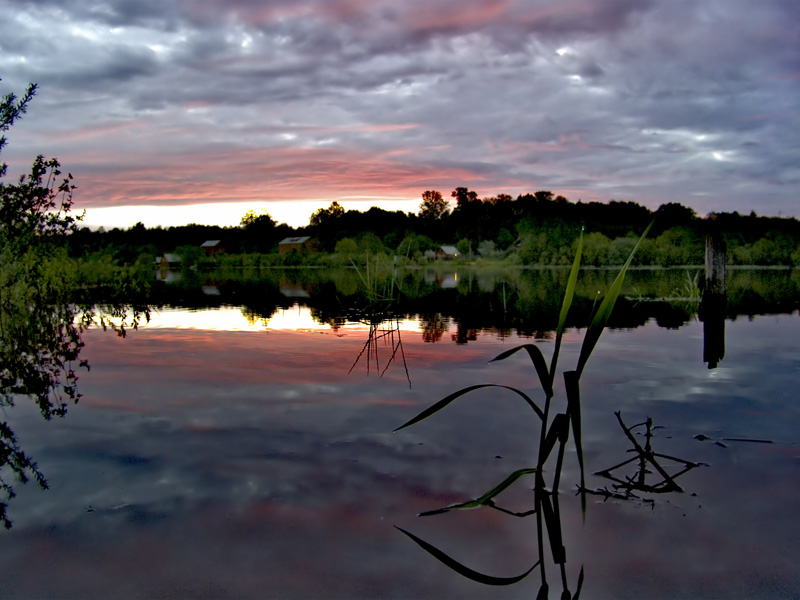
[(713, 305)]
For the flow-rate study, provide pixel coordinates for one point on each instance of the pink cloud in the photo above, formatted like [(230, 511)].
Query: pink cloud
[(444, 16), (253, 175)]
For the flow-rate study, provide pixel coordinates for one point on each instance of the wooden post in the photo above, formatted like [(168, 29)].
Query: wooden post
[(713, 305), (716, 259)]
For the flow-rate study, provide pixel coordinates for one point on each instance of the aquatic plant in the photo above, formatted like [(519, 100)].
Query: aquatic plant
[(381, 287), (554, 432)]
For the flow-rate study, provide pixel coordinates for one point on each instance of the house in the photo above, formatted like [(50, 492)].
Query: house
[(447, 252), (169, 260), (294, 243), (212, 247)]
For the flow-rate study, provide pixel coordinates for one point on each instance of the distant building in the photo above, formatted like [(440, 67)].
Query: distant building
[(447, 252), (169, 260), (212, 247), (294, 243)]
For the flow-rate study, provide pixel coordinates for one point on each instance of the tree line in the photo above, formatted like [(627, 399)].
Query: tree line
[(532, 229)]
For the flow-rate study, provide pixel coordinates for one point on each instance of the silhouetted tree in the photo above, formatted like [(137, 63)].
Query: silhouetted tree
[(323, 216), (464, 196), (433, 205)]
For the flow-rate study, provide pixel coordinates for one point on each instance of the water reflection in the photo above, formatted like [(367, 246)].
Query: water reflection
[(712, 313), (501, 304), (386, 333), (627, 487), (40, 353), (219, 455), (554, 432), (547, 511), (247, 460)]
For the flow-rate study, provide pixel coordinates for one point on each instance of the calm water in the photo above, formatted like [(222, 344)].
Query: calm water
[(231, 452)]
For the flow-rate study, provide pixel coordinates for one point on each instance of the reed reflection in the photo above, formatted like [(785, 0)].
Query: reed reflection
[(381, 290), (648, 463), (384, 333), (556, 421), (654, 473), (522, 303)]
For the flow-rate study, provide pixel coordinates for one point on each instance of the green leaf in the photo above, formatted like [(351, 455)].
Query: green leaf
[(580, 585), (486, 498), (569, 293), (544, 592), (455, 395), (462, 569), (604, 311), (537, 358), (572, 385), (553, 523), (559, 431)]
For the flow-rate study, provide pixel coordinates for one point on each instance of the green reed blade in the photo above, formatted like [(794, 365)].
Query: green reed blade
[(538, 360), (504, 485), (462, 569), (553, 524), (440, 511), (572, 385), (559, 431), (455, 395), (565, 306), (486, 498), (580, 585), (544, 592), (606, 306), (358, 271)]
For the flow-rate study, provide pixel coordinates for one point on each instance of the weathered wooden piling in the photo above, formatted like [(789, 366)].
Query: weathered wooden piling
[(714, 302), (716, 260)]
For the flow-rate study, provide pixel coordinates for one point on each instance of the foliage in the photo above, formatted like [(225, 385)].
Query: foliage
[(323, 216), (595, 249), (346, 246), (464, 247), (433, 205), (487, 249), (504, 239), (42, 315), (260, 220), (370, 243), (414, 245), (533, 229)]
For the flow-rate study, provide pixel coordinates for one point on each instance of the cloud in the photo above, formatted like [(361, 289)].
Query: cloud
[(638, 98)]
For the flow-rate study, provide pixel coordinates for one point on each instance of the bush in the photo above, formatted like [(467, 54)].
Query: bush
[(346, 246)]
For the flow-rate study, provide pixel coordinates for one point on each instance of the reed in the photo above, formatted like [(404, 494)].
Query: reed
[(553, 433)]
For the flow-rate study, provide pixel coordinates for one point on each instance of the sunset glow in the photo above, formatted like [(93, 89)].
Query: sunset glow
[(297, 318), (289, 106)]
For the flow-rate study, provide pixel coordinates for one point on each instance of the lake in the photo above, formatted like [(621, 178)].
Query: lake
[(241, 444)]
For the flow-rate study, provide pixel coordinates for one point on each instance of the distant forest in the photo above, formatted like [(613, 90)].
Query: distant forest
[(533, 229)]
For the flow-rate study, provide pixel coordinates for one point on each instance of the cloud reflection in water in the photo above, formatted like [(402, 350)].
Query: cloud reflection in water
[(248, 463)]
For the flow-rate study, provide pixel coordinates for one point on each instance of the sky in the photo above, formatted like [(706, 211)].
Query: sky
[(197, 111)]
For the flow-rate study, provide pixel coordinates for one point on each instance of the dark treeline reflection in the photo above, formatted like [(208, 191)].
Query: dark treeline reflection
[(41, 327), (460, 305)]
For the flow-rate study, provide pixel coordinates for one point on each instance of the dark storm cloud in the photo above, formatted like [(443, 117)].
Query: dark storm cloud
[(651, 101)]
